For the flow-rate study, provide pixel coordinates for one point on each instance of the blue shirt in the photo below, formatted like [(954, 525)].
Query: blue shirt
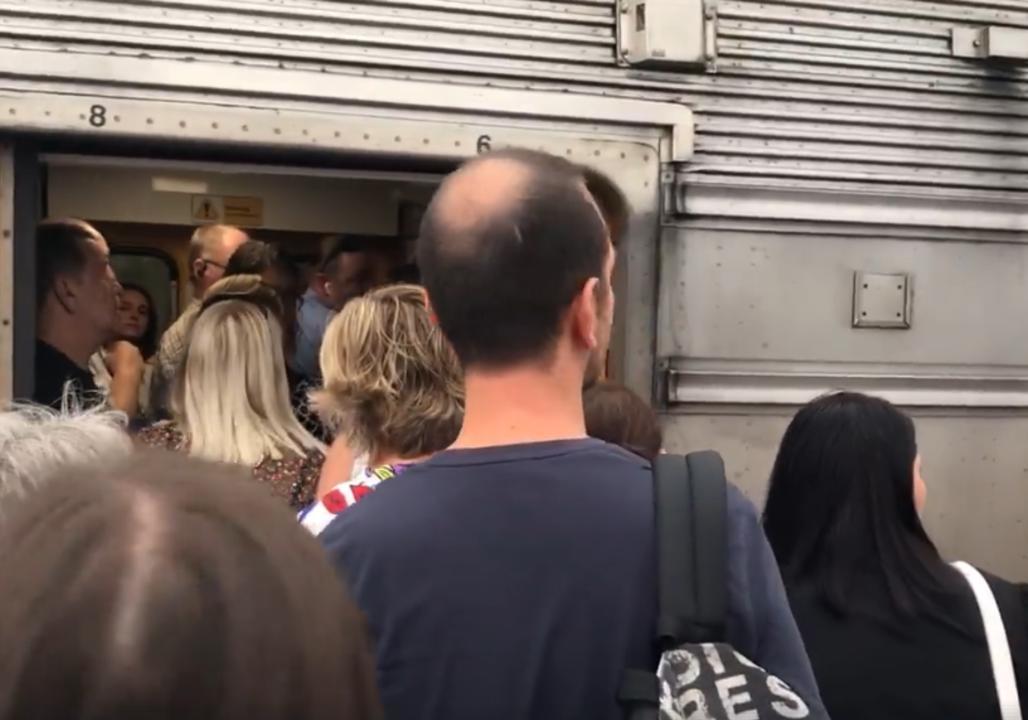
[(311, 322), (520, 582)]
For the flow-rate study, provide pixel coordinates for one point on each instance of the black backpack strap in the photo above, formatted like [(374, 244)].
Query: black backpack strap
[(691, 496), (691, 501)]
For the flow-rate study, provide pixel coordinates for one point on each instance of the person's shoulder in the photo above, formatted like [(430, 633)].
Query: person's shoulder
[(1011, 597), (310, 466), (561, 453), (315, 457), (164, 435), (356, 530), (174, 336), (740, 507)]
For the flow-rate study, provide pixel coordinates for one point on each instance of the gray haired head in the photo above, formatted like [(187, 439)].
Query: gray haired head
[(38, 442)]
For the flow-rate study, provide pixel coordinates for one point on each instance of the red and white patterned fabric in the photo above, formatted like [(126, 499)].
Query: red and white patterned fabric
[(318, 516)]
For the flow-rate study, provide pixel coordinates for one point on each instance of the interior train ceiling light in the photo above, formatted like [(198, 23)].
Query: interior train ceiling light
[(180, 185)]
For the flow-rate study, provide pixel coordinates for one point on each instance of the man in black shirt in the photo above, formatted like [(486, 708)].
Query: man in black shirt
[(76, 301)]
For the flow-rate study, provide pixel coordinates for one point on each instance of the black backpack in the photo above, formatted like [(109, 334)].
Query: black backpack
[(700, 676)]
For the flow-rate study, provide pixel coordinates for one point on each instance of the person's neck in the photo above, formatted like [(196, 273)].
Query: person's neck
[(521, 405), (65, 335), (319, 297), (390, 457)]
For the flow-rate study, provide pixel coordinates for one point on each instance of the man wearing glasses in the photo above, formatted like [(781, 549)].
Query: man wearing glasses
[(209, 251)]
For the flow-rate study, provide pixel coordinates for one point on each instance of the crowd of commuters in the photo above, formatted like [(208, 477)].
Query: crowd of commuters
[(424, 500)]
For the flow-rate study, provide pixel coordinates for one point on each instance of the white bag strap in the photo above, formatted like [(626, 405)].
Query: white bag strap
[(996, 636)]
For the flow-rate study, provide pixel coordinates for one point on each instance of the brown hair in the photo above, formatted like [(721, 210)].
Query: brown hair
[(617, 415), (168, 588), (501, 278), (392, 381), (611, 201)]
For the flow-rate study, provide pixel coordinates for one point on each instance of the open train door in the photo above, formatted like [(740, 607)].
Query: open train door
[(99, 105)]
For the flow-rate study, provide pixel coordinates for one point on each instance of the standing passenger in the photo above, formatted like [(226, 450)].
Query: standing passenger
[(393, 391), (137, 319), (231, 402), (256, 257), (137, 325), (209, 251), (348, 268), (892, 630), (513, 576), (77, 303)]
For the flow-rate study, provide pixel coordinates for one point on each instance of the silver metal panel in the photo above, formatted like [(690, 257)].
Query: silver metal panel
[(975, 466), (776, 297), (1007, 43), (719, 383), (964, 131), (881, 300), (978, 214), (483, 101), (662, 33), (806, 91), (6, 274)]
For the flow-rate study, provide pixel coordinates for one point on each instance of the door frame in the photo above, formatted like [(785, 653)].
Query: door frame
[(20, 206), (632, 156)]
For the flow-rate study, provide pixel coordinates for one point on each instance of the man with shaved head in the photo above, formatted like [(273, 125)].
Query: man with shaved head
[(76, 304), (513, 575)]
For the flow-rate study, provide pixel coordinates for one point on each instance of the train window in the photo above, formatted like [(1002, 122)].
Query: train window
[(154, 272)]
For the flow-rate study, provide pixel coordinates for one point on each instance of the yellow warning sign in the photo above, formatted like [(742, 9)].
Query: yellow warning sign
[(245, 211), (207, 209), (228, 209)]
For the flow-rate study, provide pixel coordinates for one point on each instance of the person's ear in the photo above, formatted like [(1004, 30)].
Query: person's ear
[(199, 267), (322, 285), (428, 306), (66, 291), (584, 315)]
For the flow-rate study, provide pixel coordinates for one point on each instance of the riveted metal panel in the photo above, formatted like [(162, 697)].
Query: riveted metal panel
[(806, 91), (869, 93), (6, 273)]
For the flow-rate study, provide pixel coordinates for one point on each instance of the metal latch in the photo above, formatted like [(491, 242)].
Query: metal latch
[(993, 42)]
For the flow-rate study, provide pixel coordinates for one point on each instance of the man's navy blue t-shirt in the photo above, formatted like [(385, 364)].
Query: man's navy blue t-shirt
[(520, 582)]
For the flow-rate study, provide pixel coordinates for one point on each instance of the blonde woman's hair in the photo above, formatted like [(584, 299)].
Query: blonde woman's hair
[(391, 380), (233, 401)]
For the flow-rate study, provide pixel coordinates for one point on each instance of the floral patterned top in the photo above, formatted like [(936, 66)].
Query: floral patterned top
[(294, 479)]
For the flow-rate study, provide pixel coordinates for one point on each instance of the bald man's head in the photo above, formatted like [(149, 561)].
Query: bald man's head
[(506, 245), (210, 249)]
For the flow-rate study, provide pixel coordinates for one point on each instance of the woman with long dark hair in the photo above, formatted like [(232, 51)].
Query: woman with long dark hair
[(137, 318), (892, 630), (136, 330)]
